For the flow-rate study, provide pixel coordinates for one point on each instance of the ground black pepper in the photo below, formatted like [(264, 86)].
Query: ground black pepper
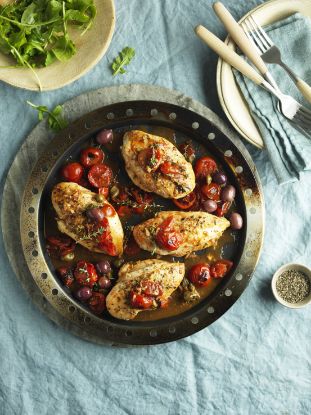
[(293, 286)]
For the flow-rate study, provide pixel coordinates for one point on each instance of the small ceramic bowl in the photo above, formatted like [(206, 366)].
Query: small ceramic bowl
[(288, 267)]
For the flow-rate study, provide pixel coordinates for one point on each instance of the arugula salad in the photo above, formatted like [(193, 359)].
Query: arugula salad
[(35, 32)]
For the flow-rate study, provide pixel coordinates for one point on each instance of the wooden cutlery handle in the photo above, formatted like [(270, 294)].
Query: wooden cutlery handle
[(238, 35), (304, 88), (228, 54)]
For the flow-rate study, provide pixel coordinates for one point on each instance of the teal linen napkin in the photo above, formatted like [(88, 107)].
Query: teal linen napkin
[(289, 150)]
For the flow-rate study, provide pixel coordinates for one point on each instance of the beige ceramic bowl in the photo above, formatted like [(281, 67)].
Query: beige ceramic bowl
[(91, 47), (287, 267)]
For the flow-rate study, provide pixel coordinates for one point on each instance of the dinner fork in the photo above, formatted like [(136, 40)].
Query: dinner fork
[(270, 53), (299, 117)]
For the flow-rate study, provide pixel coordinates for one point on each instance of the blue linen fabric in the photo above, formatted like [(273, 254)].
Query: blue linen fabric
[(254, 360), (289, 150)]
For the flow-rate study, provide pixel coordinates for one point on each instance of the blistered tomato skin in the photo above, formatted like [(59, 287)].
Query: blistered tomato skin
[(140, 300), (220, 268), (85, 274), (211, 191), (91, 156), (167, 237), (204, 166), (185, 202), (97, 302), (200, 274), (100, 175), (72, 172)]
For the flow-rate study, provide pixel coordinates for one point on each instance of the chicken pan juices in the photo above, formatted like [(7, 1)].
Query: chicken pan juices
[(139, 222)]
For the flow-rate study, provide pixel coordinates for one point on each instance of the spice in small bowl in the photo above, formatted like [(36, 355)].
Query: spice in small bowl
[(291, 285)]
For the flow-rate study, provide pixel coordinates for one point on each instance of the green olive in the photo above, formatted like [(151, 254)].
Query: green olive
[(100, 198), (118, 262), (114, 192), (68, 257)]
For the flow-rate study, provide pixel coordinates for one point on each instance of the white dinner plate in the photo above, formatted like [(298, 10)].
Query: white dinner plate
[(91, 47), (230, 96)]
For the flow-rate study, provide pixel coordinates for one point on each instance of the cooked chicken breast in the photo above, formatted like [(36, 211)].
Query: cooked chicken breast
[(155, 165), (195, 231), (71, 202), (132, 275)]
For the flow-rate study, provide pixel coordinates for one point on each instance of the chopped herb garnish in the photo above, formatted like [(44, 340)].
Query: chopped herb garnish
[(93, 235)]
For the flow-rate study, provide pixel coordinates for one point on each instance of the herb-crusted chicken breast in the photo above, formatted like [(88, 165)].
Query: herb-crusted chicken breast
[(179, 233), (143, 285), (88, 218), (155, 165)]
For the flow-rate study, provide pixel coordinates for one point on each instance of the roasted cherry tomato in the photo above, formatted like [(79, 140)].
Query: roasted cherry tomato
[(211, 191), (103, 191), (167, 237), (108, 210), (104, 240), (131, 247), (149, 158), (91, 156), (85, 273), (60, 246), (223, 209), (204, 166), (200, 274), (124, 210), (169, 168), (97, 302), (100, 175), (185, 202), (151, 288), (187, 151), (220, 268), (66, 276), (140, 300), (143, 199), (72, 172)]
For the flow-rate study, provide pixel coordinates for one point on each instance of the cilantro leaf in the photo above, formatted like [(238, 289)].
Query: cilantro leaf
[(123, 59), (55, 119)]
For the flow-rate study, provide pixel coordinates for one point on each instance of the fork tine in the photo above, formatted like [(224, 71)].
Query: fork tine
[(301, 120), (255, 39), (249, 36), (306, 112), (264, 34), (261, 39)]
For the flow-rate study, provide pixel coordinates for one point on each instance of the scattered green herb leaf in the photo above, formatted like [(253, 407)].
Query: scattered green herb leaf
[(123, 59), (55, 119)]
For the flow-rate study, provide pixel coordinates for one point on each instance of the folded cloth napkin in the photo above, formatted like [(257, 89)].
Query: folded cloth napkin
[(289, 150)]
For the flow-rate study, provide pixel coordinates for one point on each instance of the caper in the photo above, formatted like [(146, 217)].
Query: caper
[(118, 262), (68, 257), (114, 192), (100, 198), (190, 296)]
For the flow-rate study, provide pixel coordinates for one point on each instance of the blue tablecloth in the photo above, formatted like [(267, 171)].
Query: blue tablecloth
[(254, 360)]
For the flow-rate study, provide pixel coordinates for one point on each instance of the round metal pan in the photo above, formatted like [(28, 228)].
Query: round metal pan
[(126, 115)]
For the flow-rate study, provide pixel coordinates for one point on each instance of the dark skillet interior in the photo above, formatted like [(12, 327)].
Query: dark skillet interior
[(231, 246)]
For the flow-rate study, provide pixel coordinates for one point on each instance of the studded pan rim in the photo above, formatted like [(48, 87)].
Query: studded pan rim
[(197, 127)]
